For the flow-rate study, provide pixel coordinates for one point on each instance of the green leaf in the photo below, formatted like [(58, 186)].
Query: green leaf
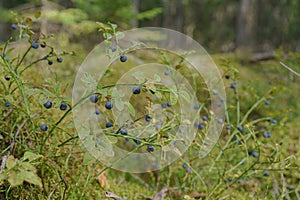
[(3, 177), (157, 78), (158, 95), (120, 35), (15, 178), (31, 156), (31, 177), (185, 95), (28, 166), (10, 162), (119, 104), (131, 109), (37, 14), (173, 97)]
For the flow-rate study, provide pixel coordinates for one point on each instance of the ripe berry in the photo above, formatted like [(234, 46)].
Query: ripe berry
[(228, 127), (255, 154), (108, 124), (267, 102), (249, 152), (240, 128), (240, 181), (97, 112), (48, 104), (43, 45), (148, 118), (35, 45), (59, 59), (14, 26), (227, 76), (6, 77), (158, 126), (196, 106), (228, 180), (109, 105), (113, 48), (43, 127), (169, 104), (266, 135), (184, 165), (188, 170), (123, 58), (204, 118), (150, 148), (137, 141), (200, 126), (232, 85), (163, 105), (50, 62), (136, 89), (63, 106), (266, 173), (7, 104), (167, 72), (220, 120), (274, 121), (94, 98), (123, 131)]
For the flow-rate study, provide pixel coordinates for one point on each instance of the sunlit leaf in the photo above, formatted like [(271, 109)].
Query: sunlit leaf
[(131, 109), (31, 156)]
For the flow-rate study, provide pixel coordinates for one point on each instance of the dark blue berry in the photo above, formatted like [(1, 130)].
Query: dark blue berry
[(200, 126), (127, 139), (137, 141), (50, 62), (163, 105), (228, 127), (123, 58), (108, 124), (150, 148), (267, 135), (63, 106), (220, 120), (255, 154), (267, 102), (240, 128), (167, 72), (6, 77), (184, 165), (169, 104), (196, 106), (266, 173), (97, 112), (43, 127), (123, 131), (14, 26), (274, 121), (109, 105), (188, 170), (113, 48), (247, 179), (7, 104), (232, 85), (148, 118), (228, 180), (59, 59), (94, 98), (249, 152), (204, 118), (35, 45), (48, 104), (43, 45), (136, 90), (158, 126), (240, 181), (227, 76)]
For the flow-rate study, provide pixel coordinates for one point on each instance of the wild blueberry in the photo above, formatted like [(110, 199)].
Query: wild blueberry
[(266, 173), (222, 99), (123, 58), (188, 170), (94, 98), (109, 105), (247, 179), (7, 104), (43, 45), (204, 118), (137, 141), (228, 180), (249, 152), (240, 181), (150, 148), (123, 131), (148, 118), (255, 154), (43, 127), (267, 102), (227, 76), (113, 48), (127, 139), (163, 105), (169, 104), (200, 126), (228, 127), (220, 120), (97, 112), (63, 106), (184, 165), (136, 89), (14, 26), (240, 128), (232, 85), (108, 124), (48, 104), (35, 45), (167, 72), (59, 59), (219, 105), (6, 77), (274, 121), (196, 106), (50, 62), (267, 135), (158, 126)]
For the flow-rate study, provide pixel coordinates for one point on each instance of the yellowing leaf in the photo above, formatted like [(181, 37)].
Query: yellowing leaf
[(31, 156), (31, 177), (10, 162), (15, 178)]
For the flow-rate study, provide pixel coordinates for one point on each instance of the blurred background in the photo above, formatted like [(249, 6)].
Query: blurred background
[(220, 26)]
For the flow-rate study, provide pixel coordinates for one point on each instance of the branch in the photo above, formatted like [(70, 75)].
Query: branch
[(292, 71)]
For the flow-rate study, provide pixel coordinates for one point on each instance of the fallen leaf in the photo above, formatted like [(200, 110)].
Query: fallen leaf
[(103, 181)]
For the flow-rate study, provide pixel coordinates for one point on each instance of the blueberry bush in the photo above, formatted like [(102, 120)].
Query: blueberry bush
[(42, 157)]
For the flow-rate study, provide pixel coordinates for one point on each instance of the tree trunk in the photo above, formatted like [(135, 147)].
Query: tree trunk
[(173, 15), (136, 5)]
